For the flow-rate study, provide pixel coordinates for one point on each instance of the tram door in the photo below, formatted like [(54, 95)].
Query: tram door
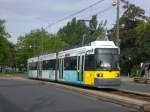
[(39, 69), (80, 67), (61, 68)]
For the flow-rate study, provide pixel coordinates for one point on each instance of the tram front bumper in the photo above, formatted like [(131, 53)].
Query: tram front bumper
[(107, 83)]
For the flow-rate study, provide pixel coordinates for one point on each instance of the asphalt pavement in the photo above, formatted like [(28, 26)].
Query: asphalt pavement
[(31, 96)]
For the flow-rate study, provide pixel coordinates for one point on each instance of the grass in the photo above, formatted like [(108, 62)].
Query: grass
[(7, 74)]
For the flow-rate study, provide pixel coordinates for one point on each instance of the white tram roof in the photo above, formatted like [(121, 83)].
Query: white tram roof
[(104, 44), (42, 57), (34, 59), (47, 57), (87, 49)]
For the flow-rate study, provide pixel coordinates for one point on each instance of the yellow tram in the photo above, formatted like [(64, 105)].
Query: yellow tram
[(96, 64)]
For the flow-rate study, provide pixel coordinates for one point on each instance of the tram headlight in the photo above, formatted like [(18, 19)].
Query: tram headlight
[(117, 75), (99, 75)]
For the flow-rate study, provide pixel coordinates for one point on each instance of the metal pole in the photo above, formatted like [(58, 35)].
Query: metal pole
[(83, 39), (34, 48), (42, 44), (117, 31)]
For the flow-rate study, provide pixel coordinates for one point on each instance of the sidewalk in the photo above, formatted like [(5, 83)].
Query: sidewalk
[(126, 78)]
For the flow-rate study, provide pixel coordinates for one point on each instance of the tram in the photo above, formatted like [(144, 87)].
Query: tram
[(96, 65)]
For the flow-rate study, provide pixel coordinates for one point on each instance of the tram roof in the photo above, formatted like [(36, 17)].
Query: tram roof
[(47, 56), (94, 44), (34, 59), (89, 49), (79, 49), (103, 43)]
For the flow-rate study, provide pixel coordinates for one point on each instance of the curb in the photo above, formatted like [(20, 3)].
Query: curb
[(135, 92)]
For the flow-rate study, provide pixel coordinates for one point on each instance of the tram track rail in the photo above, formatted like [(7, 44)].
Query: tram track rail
[(121, 92), (132, 94), (137, 100)]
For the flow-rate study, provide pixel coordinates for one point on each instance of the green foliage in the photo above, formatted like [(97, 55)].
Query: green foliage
[(74, 32), (100, 33), (134, 35), (35, 43), (143, 41), (7, 75), (6, 48)]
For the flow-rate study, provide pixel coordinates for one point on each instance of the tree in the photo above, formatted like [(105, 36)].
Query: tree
[(130, 50), (96, 30), (35, 43), (74, 32), (6, 47), (143, 41)]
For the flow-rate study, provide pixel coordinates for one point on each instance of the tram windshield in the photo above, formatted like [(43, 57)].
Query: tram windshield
[(103, 59), (106, 59)]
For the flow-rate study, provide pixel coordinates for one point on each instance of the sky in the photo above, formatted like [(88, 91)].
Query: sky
[(22, 16)]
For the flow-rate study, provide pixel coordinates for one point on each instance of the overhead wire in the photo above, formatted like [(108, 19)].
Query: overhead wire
[(101, 11), (72, 15)]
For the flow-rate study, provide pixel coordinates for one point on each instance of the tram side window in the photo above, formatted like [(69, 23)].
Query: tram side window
[(30, 66), (89, 62), (33, 66), (49, 65), (70, 63)]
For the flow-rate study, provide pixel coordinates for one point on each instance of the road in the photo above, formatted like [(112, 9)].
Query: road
[(127, 84), (33, 96)]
